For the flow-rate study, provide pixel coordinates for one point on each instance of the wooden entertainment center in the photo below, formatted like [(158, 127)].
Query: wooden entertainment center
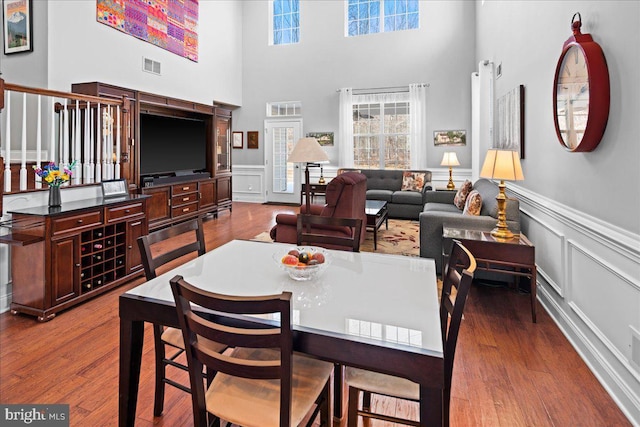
[(175, 197)]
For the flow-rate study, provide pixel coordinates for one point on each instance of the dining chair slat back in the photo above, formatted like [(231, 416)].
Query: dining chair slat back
[(457, 274), (153, 257), (145, 243), (261, 351)]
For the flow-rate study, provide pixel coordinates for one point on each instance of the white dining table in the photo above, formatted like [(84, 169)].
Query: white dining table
[(373, 311)]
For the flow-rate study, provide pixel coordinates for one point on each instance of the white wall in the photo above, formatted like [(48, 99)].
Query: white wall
[(440, 53), (29, 68), (77, 48), (579, 209)]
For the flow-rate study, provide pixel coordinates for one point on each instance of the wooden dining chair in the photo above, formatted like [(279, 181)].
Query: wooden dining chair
[(154, 257), (330, 232), (260, 383), (458, 274)]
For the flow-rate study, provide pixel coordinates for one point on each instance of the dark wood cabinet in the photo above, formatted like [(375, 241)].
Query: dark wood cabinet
[(169, 204), (159, 204), (208, 198), (63, 256), (222, 124), (136, 228), (65, 275), (173, 203), (224, 192)]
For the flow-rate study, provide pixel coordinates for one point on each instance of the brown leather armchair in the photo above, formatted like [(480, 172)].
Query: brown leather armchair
[(346, 198)]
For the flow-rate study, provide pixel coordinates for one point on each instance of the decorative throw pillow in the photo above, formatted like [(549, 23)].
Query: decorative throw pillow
[(461, 195), (473, 204), (412, 181)]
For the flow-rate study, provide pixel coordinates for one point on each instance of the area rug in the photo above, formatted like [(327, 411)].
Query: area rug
[(402, 238)]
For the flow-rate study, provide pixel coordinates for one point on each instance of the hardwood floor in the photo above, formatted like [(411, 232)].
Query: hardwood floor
[(508, 372)]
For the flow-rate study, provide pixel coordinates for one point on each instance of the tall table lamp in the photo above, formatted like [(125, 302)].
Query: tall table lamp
[(502, 165), (307, 150), (450, 159)]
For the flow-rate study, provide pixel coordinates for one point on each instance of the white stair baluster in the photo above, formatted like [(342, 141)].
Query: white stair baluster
[(39, 141), (118, 132), (23, 148), (77, 141), (98, 144), (86, 167)]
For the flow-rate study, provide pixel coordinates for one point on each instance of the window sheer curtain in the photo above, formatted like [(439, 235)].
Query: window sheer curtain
[(345, 128), (417, 116), (418, 126)]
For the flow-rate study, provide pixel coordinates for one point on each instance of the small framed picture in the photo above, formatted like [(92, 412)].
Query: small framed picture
[(114, 188), (252, 139), (237, 140), (17, 24), (450, 137), (324, 138)]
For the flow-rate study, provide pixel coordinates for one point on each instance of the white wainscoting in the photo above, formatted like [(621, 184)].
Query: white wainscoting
[(589, 282), (248, 183)]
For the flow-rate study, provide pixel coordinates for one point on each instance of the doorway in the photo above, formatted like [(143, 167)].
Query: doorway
[(283, 179)]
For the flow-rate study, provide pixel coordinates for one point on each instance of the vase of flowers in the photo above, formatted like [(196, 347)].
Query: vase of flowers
[(55, 177)]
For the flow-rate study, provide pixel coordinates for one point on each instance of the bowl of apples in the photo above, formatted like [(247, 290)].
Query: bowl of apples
[(303, 262)]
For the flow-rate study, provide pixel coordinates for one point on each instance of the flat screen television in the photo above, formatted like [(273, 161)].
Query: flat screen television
[(172, 144)]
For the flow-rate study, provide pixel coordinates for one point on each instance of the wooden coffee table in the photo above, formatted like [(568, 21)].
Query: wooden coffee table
[(376, 211), (516, 256)]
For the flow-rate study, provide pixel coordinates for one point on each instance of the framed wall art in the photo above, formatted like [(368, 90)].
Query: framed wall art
[(324, 138), (170, 25), (238, 140), (252, 139), (510, 121), (17, 26), (449, 138)]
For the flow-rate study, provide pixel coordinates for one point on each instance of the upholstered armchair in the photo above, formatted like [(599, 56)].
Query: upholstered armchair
[(345, 198)]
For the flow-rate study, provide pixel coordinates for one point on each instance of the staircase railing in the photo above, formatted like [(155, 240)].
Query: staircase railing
[(38, 126)]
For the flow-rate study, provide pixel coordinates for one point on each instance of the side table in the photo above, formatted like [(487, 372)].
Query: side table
[(314, 189), (514, 256)]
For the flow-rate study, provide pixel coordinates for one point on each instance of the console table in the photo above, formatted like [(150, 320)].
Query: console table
[(65, 255), (515, 256)]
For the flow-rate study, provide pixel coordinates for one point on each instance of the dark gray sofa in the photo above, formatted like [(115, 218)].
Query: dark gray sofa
[(439, 210), (386, 184)]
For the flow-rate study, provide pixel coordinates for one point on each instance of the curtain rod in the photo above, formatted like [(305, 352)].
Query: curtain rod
[(368, 90)]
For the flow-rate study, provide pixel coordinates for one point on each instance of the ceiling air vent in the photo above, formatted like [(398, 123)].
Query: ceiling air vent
[(150, 66)]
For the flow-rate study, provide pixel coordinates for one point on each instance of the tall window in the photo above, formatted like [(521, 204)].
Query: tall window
[(381, 132), (285, 22), (384, 130), (374, 16)]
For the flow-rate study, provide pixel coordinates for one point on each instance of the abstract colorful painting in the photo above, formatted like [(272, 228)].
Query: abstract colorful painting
[(169, 24)]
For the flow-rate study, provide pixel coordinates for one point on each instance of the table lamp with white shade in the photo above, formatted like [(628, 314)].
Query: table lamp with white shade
[(307, 150), (502, 165), (450, 159)]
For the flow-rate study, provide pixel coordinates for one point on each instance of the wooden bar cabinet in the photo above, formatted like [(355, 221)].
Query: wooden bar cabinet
[(65, 255)]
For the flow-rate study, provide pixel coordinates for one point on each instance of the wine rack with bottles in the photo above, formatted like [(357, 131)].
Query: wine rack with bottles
[(103, 254)]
